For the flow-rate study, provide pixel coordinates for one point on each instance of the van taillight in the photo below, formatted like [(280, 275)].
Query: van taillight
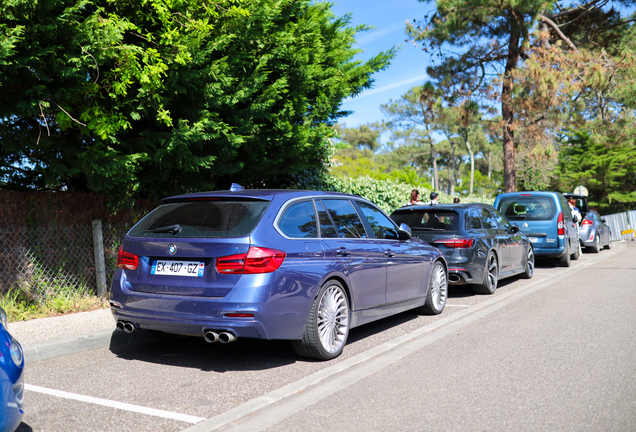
[(461, 243), (256, 260), (560, 225), (127, 260)]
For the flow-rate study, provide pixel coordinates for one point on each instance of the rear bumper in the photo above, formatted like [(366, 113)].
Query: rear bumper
[(279, 312), (460, 276), (588, 238), (551, 252)]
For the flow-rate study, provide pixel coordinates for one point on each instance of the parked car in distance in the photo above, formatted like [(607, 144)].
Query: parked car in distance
[(272, 264), (546, 219), (594, 233), (11, 378), (479, 244)]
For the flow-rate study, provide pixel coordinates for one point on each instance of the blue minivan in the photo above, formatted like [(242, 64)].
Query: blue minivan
[(545, 218)]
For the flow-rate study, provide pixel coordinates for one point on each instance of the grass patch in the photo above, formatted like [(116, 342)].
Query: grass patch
[(19, 308)]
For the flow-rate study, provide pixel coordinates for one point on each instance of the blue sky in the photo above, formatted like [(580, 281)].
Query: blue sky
[(407, 70)]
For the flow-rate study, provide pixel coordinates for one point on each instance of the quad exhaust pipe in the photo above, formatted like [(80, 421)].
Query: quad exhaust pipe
[(212, 336), (126, 326)]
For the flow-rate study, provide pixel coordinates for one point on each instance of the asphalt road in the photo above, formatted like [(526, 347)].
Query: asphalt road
[(557, 352)]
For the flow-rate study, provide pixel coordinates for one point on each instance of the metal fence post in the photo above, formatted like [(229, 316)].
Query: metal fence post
[(100, 264)]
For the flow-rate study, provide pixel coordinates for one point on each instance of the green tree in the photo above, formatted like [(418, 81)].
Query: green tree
[(156, 97), (495, 37), (605, 167), (413, 120)]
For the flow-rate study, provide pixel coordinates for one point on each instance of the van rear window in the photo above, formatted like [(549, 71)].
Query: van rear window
[(446, 220), (209, 219), (529, 208)]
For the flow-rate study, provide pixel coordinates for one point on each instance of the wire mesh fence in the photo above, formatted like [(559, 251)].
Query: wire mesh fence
[(40, 263)]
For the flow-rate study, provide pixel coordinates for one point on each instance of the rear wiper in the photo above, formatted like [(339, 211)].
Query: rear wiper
[(174, 229), (520, 216), (431, 229)]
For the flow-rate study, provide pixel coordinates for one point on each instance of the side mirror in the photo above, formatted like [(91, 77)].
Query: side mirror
[(515, 228), (603, 220), (404, 232)]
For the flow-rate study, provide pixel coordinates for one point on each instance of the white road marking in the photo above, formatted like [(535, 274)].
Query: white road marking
[(114, 404), (448, 305)]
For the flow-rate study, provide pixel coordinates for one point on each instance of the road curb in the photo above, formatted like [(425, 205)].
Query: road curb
[(47, 350)]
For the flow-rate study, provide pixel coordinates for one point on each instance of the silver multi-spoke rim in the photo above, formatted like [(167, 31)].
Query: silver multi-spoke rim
[(492, 272), (333, 319), (530, 263), (439, 286)]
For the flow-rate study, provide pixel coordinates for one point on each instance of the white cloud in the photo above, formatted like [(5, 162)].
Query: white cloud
[(391, 86), (374, 35)]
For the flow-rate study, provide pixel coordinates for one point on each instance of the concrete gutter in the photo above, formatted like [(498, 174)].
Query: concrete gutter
[(46, 350)]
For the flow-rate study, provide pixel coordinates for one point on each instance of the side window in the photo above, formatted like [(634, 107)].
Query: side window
[(501, 221), (299, 221), (327, 230), (348, 223), (472, 219), (567, 213), (487, 219), (382, 226)]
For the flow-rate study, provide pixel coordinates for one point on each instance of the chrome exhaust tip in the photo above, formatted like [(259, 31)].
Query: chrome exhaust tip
[(120, 326), (454, 278), (227, 337), (129, 327), (210, 336)]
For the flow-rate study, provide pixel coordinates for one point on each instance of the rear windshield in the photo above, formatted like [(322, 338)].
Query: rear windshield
[(433, 219), (528, 208), (213, 219)]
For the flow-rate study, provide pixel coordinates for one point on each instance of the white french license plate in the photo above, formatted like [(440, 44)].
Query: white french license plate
[(533, 239), (177, 268)]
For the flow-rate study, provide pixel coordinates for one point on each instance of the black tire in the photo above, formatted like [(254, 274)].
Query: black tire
[(565, 259), (575, 255), (437, 291), (491, 276), (608, 246), (328, 324), (529, 272), (597, 244)]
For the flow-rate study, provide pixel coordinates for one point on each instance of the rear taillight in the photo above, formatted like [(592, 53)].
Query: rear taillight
[(560, 225), (126, 260), (462, 243), (256, 260), (587, 222)]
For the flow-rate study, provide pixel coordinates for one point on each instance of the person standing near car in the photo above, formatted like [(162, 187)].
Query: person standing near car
[(575, 211), (415, 198), (434, 198)]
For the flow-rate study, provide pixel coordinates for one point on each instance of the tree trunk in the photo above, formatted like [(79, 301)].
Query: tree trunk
[(507, 111), (452, 170), (434, 162), (472, 166), (489, 165)]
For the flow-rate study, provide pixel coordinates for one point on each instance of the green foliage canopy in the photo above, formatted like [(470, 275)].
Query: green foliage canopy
[(156, 97)]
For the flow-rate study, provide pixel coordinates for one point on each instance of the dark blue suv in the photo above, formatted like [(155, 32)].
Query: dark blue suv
[(272, 264), (545, 218)]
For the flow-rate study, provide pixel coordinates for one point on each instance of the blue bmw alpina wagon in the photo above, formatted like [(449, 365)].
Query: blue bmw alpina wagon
[(272, 264)]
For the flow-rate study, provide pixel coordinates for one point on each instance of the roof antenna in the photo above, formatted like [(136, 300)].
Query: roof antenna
[(236, 187)]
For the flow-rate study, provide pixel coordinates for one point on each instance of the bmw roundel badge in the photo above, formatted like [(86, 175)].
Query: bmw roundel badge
[(172, 248)]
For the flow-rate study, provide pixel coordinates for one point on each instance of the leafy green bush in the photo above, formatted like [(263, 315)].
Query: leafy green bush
[(387, 194)]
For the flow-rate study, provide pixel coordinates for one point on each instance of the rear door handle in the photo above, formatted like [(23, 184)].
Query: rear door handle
[(342, 251), (389, 253)]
